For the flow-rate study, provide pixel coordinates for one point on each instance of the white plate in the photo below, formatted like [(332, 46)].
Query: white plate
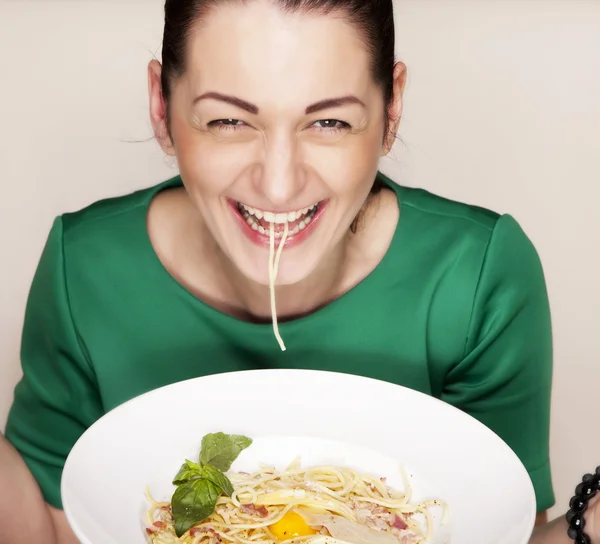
[(322, 416)]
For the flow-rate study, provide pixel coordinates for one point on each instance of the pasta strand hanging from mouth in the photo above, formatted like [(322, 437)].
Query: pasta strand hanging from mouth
[(273, 269)]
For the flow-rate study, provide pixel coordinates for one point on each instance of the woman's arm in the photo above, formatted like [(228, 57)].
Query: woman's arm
[(505, 374), (556, 532), (551, 533), (55, 401), (541, 518), (26, 517)]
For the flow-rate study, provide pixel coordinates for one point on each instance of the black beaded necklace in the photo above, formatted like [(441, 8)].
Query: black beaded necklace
[(589, 486)]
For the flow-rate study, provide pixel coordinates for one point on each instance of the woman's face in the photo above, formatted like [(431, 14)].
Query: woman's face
[(277, 118)]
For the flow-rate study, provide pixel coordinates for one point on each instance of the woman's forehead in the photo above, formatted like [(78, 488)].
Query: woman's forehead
[(260, 52)]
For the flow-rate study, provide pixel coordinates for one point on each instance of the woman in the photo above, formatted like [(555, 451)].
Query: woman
[(278, 112)]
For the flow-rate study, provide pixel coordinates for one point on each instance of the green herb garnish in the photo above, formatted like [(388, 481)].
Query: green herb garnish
[(201, 485), (221, 450)]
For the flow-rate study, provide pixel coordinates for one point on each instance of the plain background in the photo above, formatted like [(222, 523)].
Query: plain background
[(502, 110)]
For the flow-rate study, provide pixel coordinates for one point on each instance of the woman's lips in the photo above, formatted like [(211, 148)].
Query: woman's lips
[(258, 230)]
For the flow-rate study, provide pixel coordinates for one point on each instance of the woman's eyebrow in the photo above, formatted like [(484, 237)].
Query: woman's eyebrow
[(251, 108), (233, 100), (334, 103)]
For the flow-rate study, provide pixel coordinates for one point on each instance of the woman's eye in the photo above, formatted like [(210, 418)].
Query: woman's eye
[(227, 123), (331, 124)]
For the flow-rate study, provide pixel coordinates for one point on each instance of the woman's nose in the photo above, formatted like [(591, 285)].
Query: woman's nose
[(281, 176)]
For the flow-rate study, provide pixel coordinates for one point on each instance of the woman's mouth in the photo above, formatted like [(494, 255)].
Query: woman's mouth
[(257, 223)]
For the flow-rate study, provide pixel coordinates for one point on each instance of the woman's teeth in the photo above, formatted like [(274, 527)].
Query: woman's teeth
[(260, 220)]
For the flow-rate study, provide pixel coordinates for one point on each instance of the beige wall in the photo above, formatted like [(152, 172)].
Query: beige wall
[(502, 109)]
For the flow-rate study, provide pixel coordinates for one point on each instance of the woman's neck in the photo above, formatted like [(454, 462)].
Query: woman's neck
[(252, 300)]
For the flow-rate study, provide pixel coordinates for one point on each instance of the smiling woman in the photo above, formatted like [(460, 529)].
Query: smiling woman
[(278, 112)]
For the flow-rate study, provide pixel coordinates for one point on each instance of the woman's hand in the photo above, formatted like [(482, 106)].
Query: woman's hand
[(556, 532), (592, 520)]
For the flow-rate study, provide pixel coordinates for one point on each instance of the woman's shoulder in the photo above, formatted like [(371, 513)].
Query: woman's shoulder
[(422, 204), (441, 234), (112, 215), (434, 222), (107, 239), (439, 208)]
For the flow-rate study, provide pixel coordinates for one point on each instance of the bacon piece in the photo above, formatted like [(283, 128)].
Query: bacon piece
[(156, 527), (200, 530), (398, 523), (254, 510), (215, 538)]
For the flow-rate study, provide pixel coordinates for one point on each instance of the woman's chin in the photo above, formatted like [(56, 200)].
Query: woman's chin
[(253, 263), (288, 274), (282, 279)]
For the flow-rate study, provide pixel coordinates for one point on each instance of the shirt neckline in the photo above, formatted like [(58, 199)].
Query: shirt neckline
[(290, 325)]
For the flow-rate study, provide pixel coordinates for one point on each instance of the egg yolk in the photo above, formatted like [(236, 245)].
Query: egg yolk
[(291, 525)]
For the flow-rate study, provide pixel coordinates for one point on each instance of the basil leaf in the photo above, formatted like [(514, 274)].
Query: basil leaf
[(218, 478), (221, 450), (192, 503), (188, 471)]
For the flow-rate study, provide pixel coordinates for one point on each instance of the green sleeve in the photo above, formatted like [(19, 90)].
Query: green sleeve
[(57, 399), (505, 377)]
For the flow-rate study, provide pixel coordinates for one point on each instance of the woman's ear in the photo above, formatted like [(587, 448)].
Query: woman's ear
[(395, 107), (158, 108)]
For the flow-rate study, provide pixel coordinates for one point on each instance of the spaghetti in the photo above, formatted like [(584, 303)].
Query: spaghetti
[(301, 505), (273, 270)]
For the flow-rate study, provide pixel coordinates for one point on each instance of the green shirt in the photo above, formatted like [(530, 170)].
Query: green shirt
[(456, 309)]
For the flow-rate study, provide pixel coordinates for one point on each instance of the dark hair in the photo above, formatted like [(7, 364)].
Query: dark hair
[(374, 19)]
